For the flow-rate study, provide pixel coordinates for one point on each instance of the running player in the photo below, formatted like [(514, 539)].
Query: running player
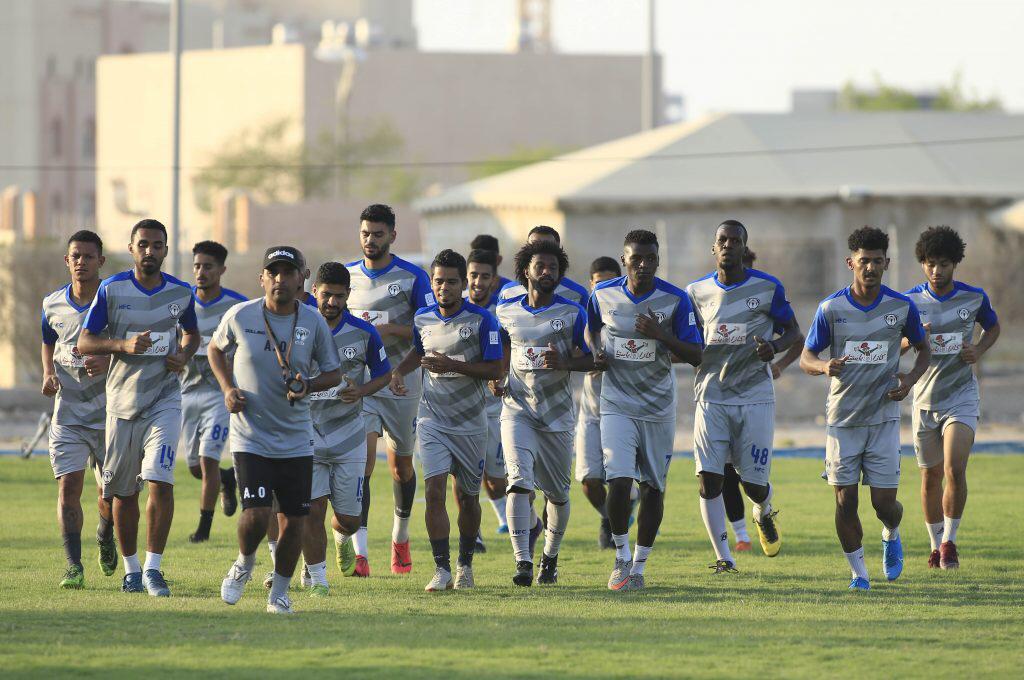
[(543, 336), (589, 463), (339, 448), (946, 403), (387, 291), (77, 382), (862, 327), (204, 420), (738, 310), (639, 322), (567, 288), (140, 310), (278, 342), (488, 242), (457, 344)]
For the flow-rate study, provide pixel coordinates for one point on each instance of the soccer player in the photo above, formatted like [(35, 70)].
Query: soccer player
[(544, 339), (639, 322), (589, 463), (946, 403), (488, 242), (738, 310), (140, 310), (386, 292), (339, 448), (567, 288), (862, 326), (204, 423), (278, 342), (77, 382), (457, 345)]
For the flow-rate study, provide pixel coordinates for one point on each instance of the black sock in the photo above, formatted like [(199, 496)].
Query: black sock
[(366, 502), (104, 530), (405, 494), (73, 547), (467, 544), (227, 477), (205, 522), (442, 553)]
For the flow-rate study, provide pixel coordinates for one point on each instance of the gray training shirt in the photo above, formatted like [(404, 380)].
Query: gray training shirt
[(82, 400)]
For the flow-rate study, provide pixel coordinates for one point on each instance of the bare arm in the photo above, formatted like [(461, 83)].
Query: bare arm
[(908, 380), (395, 330), (972, 353), (497, 385), (224, 371), (189, 345), (353, 393), (481, 370), (792, 354), (50, 382), (324, 381), (812, 365)]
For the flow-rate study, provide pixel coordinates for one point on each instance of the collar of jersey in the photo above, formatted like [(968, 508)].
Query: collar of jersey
[(446, 319), (878, 300), (211, 302), (734, 285), (71, 300), (345, 316), (374, 273), (942, 298), (632, 298), (536, 310), (147, 291)]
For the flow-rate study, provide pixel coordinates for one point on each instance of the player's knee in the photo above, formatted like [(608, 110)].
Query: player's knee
[(495, 487), (467, 500), (434, 491), (592, 485), (518, 489), (710, 485), (348, 524), (756, 492)]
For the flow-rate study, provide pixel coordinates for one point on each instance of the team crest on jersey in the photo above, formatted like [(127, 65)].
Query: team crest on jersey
[(890, 320), (300, 335), (350, 353), (557, 325), (660, 316), (394, 290), (107, 476), (465, 332), (174, 309), (753, 303), (963, 313)]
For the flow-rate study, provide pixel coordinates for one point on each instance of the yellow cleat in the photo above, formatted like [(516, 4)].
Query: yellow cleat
[(768, 532)]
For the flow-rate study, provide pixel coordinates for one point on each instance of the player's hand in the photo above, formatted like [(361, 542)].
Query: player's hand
[(969, 354), (351, 393), (647, 324), (295, 395), (397, 384), (51, 385), (901, 390), (96, 364), (384, 329), (138, 344), (765, 351), (553, 359), (438, 363), (927, 326), (776, 371), (497, 387), (175, 363), (234, 400), (600, 361), (835, 366)]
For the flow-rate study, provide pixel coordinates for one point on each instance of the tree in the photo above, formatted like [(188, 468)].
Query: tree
[(518, 157), (886, 97)]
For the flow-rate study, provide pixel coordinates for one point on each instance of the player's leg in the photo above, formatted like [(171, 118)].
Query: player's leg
[(756, 425), (374, 425), (928, 450), (553, 472), (844, 447), (590, 474), (293, 479), (495, 476), (620, 443), (400, 440), (211, 438), (882, 473), (347, 500), (69, 518), (519, 444), (314, 538), (712, 446), (160, 436), (655, 457), (105, 526), (851, 534), (273, 533), (436, 457), (469, 460), (735, 510), (957, 439), (122, 464)]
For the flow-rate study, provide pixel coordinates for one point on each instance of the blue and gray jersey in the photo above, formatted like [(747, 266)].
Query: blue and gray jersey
[(492, 404), (567, 288), (198, 376), (82, 399)]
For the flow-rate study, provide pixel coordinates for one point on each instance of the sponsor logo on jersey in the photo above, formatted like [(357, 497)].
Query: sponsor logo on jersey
[(634, 349), (890, 320), (124, 305), (531, 358), (866, 351), (394, 290), (728, 334), (947, 343), (370, 316)]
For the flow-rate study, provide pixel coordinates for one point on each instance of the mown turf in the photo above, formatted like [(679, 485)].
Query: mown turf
[(783, 617)]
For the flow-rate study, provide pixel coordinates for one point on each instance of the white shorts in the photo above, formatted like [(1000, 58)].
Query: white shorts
[(871, 452), (494, 458), (638, 449), (204, 425), (393, 419), (928, 427), (589, 458), (462, 455), (537, 459), (342, 481), (741, 435), (140, 449), (74, 448)]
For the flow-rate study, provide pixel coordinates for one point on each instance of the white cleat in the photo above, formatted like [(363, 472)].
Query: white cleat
[(233, 585), (442, 581), (464, 577), (281, 605)]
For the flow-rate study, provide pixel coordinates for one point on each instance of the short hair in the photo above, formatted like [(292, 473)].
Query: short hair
[(450, 258), (641, 237), (605, 264), (379, 213), (940, 242), (544, 230), (749, 257), (733, 223), (148, 224), (526, 253), (484, 242), (483, 256), (86, 236), (213, 249), (868, 238), (333, 273)]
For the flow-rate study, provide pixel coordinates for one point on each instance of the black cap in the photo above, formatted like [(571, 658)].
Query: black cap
[(284, 254)]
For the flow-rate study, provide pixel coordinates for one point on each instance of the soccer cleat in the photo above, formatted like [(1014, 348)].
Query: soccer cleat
[(934, 560), (636, 582), (401, 558), (742, 546), (524, 573), (155, 584), (442, 581), (268, 580), (132, 583), (319, 590), (228, 497), (479, 546), (724, 567), (548, 575), (345, 555), (502, 528), (535, 533), (362, 569), (233, 585), (768, 532), (305, 580), (464, 577), (198, 538), (108, 556), (74, 577), (858, 583), (281, 605), (619, 580), (892, 558), (948, 556), (604, 536)]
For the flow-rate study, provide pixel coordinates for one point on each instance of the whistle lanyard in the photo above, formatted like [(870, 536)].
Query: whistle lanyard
[(284, 361)]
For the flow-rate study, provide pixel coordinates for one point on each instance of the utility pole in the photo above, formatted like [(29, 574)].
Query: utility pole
[(648, 96), (175, 45)]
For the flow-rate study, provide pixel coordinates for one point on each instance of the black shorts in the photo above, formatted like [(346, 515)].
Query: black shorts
[(260, 479)]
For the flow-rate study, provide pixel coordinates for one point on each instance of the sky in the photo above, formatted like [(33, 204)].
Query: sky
[(748, 55)]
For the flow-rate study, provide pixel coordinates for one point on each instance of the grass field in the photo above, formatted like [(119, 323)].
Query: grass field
[(788, 616)]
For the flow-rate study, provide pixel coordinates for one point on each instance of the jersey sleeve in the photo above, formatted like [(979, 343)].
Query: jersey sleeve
[(986, 315), (698, 322), (96, 317), (49, 335), (224, 337), (188, 319), (417, 341), (325, 352), (594, 322), (422, 296), (912, 329), (579, 332), (781, 311), (684, 322), (820, 334), (376, 356), (490, 337)]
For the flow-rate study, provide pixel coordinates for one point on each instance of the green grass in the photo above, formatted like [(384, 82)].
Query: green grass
[(788, 616)]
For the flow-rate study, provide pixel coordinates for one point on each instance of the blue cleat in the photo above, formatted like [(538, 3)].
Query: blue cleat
[(502, 528), (892, 558), (858, 583), (155, 583), (132, 583)]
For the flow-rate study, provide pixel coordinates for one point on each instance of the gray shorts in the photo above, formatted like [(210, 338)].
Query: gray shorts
[(204, 425), (140, 449), (341, 481), (393, 419), (928, 427), (74, 448), (494, 458), (741, 435), (638, 449), (537, 459), (871, 452), (462, 455), (589, 457)]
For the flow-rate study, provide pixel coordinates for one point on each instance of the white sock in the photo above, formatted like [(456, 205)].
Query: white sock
[(272, 546), (949, 528), (856, 560), (359, 542), (131, 564), (153, 561), (890, 534), (558, 519), (713, 512), (400, 530), (935, 531), (621, 542), (739, 527), (520, 520), (279, 587), (640, 558), (499, 510), (246, 562), (764, 507), (318, 573)]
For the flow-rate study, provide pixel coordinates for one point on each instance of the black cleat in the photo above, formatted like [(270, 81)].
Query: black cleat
[(198, 537), (479, 547), (548, 575), (524, 574), (723, 567), (604, 536), (228, 498)]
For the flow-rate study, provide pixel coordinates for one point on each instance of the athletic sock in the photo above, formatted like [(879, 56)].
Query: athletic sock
[(153, 561), (935, 531), (104, 530), (890, 534), (364, 516), (558, 520), (856, 560), (279, 588), (521, 519), (621, 542), (131, 564), (950, 525), (499, 510), (442, 553), (359, 542), (467, 546), (205, 522), (400, 530), (318, 573), (640, 558), (739, 527), (272, 546), (713, 512), (764, 507), (73, 548), (247, 562)]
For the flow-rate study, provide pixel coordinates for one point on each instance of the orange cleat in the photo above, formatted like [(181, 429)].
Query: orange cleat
[(742, 546), (362, 567), (401, 558)]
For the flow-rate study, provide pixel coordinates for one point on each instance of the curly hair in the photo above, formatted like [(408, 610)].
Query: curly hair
[(868, 238), (450, 258), (333, 273), (526, 253), (641, 237), (378, 213), (940, 242)]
